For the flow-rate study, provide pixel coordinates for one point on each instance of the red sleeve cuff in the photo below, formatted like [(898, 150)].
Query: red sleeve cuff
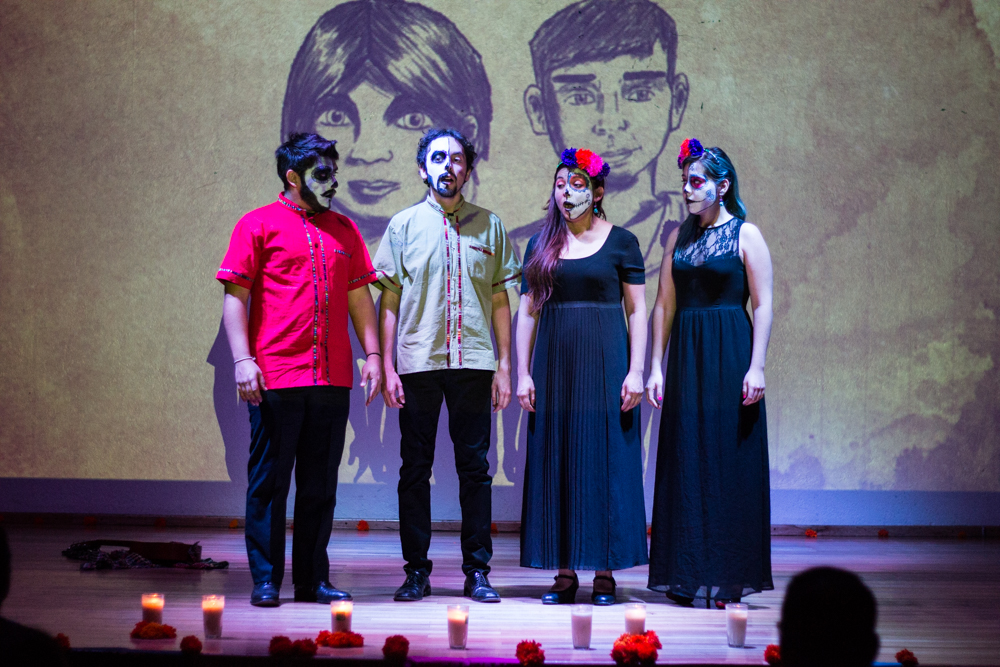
[(234, 277), (362, 280)]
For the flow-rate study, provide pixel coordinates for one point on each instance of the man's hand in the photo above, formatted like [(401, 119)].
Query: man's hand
[(500, 390), (372, 372), (249, 381), (526, 392), (392, 391)]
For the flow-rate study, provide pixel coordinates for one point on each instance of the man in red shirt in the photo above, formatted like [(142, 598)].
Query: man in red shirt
[(300, 268)]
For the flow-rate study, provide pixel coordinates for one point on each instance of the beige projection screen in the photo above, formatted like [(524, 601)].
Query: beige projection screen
[(866, 136)]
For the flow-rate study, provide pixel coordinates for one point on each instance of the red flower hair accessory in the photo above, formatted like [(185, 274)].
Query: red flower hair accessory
[(588, 161), (689, 148)]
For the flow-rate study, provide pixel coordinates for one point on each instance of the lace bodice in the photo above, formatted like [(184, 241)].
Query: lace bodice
[(711, 243)]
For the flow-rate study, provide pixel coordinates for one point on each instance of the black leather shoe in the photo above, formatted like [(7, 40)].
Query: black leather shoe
[(416, 586), (565, 595), (477, 587), (265, 594), (604, 598), (323, 592), (682, 600)]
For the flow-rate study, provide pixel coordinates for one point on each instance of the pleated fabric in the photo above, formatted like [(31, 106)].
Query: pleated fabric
[(711, 506), (583, 502)]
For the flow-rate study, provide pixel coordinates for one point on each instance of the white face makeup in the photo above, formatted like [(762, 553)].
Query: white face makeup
[(444, 167), (573, 194), (319, 184), (700, 192)]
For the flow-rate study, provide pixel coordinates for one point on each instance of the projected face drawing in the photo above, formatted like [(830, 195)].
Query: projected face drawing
[(700, 191), (610, 106), (319, 185), (572, 193), (444, 169), (380, 182), (375, 75)]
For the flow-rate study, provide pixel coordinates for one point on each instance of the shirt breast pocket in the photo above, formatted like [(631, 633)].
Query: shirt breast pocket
[(481, 260)]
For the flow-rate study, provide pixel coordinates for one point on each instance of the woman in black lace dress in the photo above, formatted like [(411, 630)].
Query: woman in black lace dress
[(711, 507), (581, 333)]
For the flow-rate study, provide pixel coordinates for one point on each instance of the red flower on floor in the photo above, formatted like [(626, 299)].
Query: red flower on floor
[(906, 658), (811, 533), (530, 654), (339, 639), (63, 641), (883, 532), (190, 644), (281, 645), (234, 524), (160, 523), (636, 650), (90, 520), (144, 630), (772, 655), (363, 525), (396, 648), (493, 529)]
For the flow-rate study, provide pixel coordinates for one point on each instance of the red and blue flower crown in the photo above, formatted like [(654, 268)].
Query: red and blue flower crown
[(588, 161), (689, 148)]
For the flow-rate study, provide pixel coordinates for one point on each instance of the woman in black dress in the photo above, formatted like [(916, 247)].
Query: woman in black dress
[(583, 502), (711, 504)]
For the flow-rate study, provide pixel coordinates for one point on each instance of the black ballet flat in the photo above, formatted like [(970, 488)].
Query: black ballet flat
[(681, 600), (564, 596), (604, 599)]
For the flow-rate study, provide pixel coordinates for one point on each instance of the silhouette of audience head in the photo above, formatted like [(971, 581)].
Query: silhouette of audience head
[(828, 620), (374, 75)]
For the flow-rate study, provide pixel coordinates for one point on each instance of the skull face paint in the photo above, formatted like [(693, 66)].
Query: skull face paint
[(319, 185), (573, 194), (444, 169), (700, 192)]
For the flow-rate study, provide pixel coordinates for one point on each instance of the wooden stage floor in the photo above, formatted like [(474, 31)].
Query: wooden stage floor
[(938, 598)]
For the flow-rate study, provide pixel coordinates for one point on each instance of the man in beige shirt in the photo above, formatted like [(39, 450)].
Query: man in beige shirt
[(444, 266)]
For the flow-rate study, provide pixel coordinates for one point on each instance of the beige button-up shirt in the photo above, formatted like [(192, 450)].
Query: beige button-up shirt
[(446, 267)]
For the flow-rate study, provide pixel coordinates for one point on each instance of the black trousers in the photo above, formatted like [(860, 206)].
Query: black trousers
[(302, 427), (467, 393)]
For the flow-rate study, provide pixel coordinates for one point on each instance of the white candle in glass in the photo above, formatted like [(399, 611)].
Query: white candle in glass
[(582, 616), (458, 625), (736, 624), (635, 618), (152, 607), (211, 611), (340, 615)]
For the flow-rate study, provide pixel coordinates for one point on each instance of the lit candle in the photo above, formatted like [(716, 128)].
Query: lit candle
[(458, 625), (635, 618), (152, 607), (340, 615), (582, 615), (211, 610), (736, 624)]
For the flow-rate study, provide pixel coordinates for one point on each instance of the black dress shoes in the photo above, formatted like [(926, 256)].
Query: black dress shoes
[(323, 592), (562, 595), (265, 594), (416, 586), (604, 590), (477, 587)]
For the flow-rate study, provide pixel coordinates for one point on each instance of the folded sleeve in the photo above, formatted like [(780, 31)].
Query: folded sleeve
[(631, 268), (362, 271), (242, 259), (508, 266), (388, 262)]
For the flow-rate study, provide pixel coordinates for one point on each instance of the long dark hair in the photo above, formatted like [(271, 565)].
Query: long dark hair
[(540, 270), (718, 167)]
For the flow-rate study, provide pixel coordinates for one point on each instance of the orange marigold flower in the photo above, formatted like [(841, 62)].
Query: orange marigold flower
[(362, 525), (772, 655), (63, 641), (144, 630), (811, 533), (339, 639), (396, 648), (883, 532), (906, 658)]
